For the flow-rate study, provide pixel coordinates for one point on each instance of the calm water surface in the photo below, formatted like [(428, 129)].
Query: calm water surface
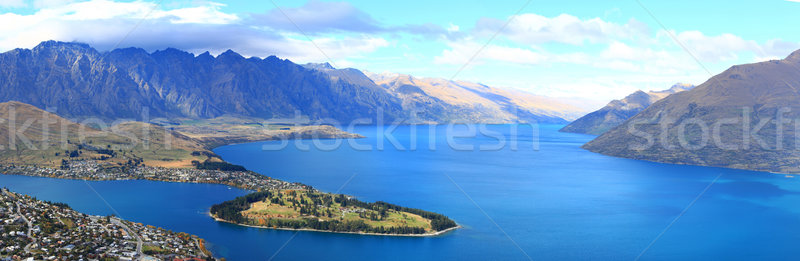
[(555, 203)]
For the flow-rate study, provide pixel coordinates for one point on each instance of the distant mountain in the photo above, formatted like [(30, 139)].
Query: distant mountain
[(730, 121), (440, 100), (76, 80), (618, 111)]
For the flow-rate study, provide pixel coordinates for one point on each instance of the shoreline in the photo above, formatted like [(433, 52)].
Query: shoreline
[(437, 233), (758, 171), (212, 147), (129, 179)]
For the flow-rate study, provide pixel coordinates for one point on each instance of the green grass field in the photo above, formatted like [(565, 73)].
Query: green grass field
[(288, 205)]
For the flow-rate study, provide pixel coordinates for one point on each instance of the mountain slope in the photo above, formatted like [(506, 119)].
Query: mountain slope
[(432, 100), (731, 120), (618, 111), (36, 137), (78, 81)]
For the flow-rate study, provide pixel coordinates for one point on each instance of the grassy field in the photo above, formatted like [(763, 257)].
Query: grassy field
[(31, 136), (67, 222), (300, 205)]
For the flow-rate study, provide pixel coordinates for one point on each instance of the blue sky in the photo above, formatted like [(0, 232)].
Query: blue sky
[(593, 51)]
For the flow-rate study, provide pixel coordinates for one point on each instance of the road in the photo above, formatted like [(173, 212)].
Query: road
[(130, 231), (197, 243), (30, 229)]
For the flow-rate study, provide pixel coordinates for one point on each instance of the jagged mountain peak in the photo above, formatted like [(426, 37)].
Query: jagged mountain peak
[(125, 82), (638, 96), (378, 77), (319, 66), (273, 58), (130, 50), (64, 50), (679, 87), (173, 52), (51, 44), (230, 54)]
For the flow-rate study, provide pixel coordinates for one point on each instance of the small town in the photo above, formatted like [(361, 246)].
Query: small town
[(94, 170), (32, 229)]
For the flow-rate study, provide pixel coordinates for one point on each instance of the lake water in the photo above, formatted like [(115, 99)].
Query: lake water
[(557, 202)]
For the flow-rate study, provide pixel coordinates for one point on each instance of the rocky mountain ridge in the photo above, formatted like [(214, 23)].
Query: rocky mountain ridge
[(618, 111), (76, 81)]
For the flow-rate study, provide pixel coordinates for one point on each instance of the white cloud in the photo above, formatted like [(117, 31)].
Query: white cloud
[(631, 41), (13, 3), (618, 57), (461, 52), (38, 4), (317, 17), (723, 47), (622, 48), (105, 9), (208, 14), (729, 47), (453, 28), (776, 49), (536, 29), (337, 49), (103, 24), (621, 56)]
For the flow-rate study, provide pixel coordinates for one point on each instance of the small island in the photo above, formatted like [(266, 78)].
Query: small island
[(309, 209)]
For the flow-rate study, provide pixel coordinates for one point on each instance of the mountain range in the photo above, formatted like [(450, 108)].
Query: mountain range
[(75, 80), (618, 111), (745, 117), (435, 99)]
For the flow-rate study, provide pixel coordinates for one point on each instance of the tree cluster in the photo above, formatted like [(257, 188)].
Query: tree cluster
[(231, 211), (223, 166)]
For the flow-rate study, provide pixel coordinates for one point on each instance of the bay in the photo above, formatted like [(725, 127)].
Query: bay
[(548, 199)]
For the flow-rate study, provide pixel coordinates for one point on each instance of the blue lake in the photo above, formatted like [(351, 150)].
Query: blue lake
[(557, 202)]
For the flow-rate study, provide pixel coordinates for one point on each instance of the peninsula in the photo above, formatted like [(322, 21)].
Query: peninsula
[(44, 230), (180, 151)]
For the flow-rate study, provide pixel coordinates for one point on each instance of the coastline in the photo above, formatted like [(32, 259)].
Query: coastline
[(696, 165), (132, 179), (212, 143), (437, 233), (31, 171)]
